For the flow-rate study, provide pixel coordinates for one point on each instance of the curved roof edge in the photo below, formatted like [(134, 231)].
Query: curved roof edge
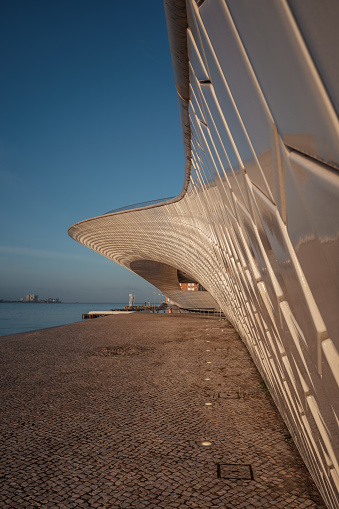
[(176, 20)]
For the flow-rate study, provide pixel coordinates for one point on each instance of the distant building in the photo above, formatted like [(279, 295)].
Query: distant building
[(193, 287), (50, 300), (33, 297)]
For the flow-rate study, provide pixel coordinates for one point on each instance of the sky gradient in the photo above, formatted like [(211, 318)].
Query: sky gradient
[(89, 123)]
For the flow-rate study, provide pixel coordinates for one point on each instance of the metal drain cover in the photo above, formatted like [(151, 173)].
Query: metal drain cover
[(233, 471)]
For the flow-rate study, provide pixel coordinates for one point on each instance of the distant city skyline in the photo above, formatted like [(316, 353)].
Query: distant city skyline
[(90, 123)]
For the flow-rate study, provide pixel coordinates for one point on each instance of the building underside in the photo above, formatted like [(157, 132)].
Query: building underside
[(257, 221)]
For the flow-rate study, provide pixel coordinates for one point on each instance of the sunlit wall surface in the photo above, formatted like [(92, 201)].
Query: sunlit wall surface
[(257, 221)]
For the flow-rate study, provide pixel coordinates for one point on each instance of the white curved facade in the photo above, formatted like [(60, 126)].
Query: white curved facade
[(257, 222)]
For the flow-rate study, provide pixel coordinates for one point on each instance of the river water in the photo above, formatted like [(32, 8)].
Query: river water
[(22, 317)]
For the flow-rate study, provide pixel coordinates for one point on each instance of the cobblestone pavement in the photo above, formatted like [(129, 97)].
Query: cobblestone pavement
[(114, 413)]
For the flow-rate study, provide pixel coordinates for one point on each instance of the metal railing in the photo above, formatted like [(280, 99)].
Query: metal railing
[(139, 205), (207, 312)]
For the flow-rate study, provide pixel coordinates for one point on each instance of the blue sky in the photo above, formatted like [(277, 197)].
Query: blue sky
[(89, 123)]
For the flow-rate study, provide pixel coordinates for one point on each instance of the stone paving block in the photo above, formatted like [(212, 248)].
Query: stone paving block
[(81, 428)]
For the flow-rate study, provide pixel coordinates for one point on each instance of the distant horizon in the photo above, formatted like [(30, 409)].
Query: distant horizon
[(8, 301)]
